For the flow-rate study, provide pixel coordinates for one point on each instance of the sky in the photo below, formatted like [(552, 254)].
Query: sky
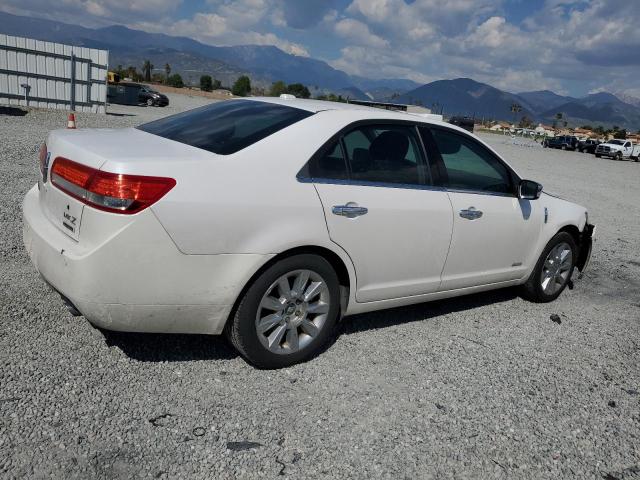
[(572, 47)]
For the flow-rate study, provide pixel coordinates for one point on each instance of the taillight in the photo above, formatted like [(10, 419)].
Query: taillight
[(112, 192), (44, 161)]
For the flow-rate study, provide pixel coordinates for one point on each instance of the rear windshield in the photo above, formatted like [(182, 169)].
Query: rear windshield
[(226, 127)]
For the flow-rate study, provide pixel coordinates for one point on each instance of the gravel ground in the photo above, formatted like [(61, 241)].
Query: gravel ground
[(477, 387)]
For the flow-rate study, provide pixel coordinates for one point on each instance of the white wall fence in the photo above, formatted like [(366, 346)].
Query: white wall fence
[(42, 74)]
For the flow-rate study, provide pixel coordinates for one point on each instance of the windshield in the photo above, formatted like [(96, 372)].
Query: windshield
[(226, 127), (616, 142)]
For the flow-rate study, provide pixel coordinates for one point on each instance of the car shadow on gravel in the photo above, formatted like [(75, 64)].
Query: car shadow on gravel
[(423, 311), (158, 347)]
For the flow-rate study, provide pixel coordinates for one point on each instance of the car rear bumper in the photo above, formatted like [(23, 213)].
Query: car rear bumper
[(137, 279)]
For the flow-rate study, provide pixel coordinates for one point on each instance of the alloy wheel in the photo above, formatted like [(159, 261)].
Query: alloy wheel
[(293, 311), (556, 268)]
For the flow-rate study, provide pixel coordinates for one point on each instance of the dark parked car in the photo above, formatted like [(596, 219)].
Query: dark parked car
[(588, 146), (128, 93), (564, 142), (152, 98), (463, 122)]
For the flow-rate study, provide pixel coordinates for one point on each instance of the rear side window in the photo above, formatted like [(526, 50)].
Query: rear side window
[(226, 127), (329, 165), (385, 154)]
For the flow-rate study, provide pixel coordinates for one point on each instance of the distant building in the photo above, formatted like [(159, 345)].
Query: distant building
[(399, 107), (542, 129), (583, 133), (500, 127)]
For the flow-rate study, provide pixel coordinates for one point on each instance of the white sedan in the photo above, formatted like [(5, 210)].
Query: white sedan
[(270, 219)]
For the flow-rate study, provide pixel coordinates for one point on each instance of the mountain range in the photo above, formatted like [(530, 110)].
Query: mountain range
[(464, 96), (266, 64)]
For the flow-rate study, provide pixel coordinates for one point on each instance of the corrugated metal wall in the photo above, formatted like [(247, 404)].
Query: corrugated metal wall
[(53, 72)]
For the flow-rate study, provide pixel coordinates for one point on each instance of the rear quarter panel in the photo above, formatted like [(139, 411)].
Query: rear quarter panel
[(250, 201)]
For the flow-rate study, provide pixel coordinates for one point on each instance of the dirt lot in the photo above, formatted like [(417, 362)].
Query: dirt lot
[(478, 387)]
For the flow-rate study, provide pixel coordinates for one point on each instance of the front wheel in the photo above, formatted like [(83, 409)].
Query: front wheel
[(618, 156), (553, 269), (288, 313), (149, 102)]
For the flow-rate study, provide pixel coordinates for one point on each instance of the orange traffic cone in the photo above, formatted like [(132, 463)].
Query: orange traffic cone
[(71, 121)]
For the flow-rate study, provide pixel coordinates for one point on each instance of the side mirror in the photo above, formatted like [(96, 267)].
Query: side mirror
[(529, 190)]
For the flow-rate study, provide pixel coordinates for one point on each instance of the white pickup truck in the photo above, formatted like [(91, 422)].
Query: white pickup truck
[(619, 149)]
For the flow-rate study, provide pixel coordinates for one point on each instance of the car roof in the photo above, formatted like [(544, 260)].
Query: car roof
[(309, 105), (361, 111)]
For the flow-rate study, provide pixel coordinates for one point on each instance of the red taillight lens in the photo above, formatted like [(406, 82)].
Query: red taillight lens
[(112, 192)]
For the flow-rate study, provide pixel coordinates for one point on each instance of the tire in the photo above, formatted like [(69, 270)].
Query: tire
[(598, 155), (558, 272), (564, 147), (149, 102), (618, 156), (289, 320)]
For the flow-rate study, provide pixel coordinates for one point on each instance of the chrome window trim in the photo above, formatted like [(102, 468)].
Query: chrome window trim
[(362, 183)]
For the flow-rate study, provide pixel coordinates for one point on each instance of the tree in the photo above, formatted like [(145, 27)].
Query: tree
[(620, 134), (132, 73), (157, 77), (277, 88), (167, 71), (299, 90), (526, 122), (516, 108), (216, 84), (587, 127), (146, 70), (557, 119), (242, 87), (206, 83), (175, 80)]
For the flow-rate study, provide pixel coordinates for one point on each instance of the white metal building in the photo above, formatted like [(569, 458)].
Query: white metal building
[(42, 74)]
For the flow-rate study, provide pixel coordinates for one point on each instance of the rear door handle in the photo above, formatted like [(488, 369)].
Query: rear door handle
[(350, 210), (470, 213)]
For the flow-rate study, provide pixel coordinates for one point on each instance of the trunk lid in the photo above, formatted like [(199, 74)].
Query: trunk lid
[(120, 151)]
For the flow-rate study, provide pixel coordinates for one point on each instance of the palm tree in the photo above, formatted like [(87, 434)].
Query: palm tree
[(558, 118), (146, 70), (515, 109), (167, 70)]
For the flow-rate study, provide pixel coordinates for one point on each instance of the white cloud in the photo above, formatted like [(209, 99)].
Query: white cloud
[(358, 33)]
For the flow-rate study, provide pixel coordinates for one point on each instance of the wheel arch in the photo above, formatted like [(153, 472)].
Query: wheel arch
[(573, 231), (346, 276)]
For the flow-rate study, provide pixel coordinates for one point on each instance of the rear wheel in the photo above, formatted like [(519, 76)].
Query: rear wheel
[(598, 155), (288, 312), (553, 269)]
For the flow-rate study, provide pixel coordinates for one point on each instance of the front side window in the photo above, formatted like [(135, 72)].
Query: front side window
[(470, 166), (384, 154), (226, 127)]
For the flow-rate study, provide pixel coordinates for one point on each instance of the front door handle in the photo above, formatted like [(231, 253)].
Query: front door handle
[(470, 213), (350, 210)]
